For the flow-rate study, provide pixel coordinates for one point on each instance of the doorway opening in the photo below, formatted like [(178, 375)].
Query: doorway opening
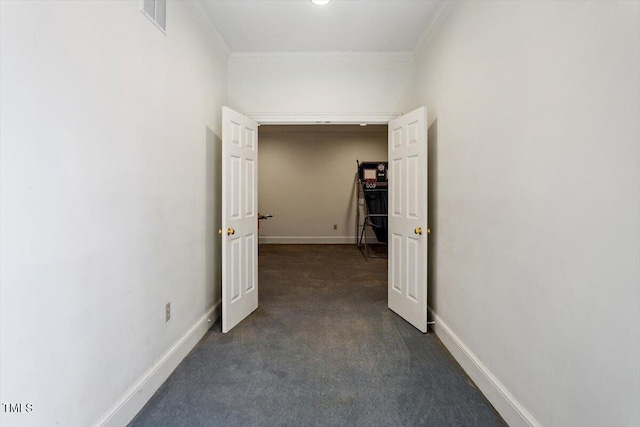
[(407, 176), (307, 179)]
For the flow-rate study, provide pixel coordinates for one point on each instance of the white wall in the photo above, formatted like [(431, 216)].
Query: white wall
[(534, 111), (307, 180), (351, 83), (108, 181)]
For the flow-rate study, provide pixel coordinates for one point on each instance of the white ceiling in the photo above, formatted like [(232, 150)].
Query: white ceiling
[(340, 26)]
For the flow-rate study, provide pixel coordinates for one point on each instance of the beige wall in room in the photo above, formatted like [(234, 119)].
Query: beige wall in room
[(306, 179)]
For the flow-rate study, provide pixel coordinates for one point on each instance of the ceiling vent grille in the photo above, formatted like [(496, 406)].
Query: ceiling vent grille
[(156, 11)]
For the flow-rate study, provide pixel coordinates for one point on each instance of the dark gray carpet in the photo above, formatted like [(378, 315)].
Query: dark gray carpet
[(323, 349)]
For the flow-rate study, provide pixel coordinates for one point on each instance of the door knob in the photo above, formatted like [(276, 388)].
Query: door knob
[(428, 231), (230, 231), (220, 231), (418, 231)]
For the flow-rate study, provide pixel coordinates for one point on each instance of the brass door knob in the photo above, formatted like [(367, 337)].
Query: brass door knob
[(418, 231), (230, 231), (220, 231), (428, 231)]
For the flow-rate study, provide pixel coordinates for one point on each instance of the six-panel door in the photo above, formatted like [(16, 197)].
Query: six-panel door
[(239, 217), (407, 292)]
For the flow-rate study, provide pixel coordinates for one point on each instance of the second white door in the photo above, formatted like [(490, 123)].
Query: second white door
[(407, 240)]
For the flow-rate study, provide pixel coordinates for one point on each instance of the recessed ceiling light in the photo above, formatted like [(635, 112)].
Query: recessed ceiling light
[(320, 2), (363, 124)]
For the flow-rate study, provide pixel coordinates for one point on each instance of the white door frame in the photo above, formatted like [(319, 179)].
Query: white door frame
[(322, 118)]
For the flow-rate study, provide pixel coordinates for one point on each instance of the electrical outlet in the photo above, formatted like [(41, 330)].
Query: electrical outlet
[(335, 226), (167, 312)]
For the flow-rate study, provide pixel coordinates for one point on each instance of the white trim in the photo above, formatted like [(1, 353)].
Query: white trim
[(196, 8), (342, 240), (505, 403), (134, 399), (322, 118), (306, 56), (440, 16)]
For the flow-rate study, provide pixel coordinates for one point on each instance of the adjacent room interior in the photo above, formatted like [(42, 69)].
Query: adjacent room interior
[(307, 180)]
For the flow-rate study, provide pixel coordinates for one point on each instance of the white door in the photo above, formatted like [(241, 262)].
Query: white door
[(239, 217), (408, 217)]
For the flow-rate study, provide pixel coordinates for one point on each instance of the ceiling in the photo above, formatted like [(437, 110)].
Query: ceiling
[(340, 26)]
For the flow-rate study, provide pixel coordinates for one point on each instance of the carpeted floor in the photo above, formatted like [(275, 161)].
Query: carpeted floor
[(323, 349)]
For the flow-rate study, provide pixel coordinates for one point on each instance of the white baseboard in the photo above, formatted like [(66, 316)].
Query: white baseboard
[(339, 240), (505, 403), (126, 408)]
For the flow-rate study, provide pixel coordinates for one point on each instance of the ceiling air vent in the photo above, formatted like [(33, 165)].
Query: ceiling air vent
[(156, 10)]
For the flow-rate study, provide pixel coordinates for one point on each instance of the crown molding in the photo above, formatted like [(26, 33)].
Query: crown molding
[(440, 16), (380, 56), (195, 7)]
